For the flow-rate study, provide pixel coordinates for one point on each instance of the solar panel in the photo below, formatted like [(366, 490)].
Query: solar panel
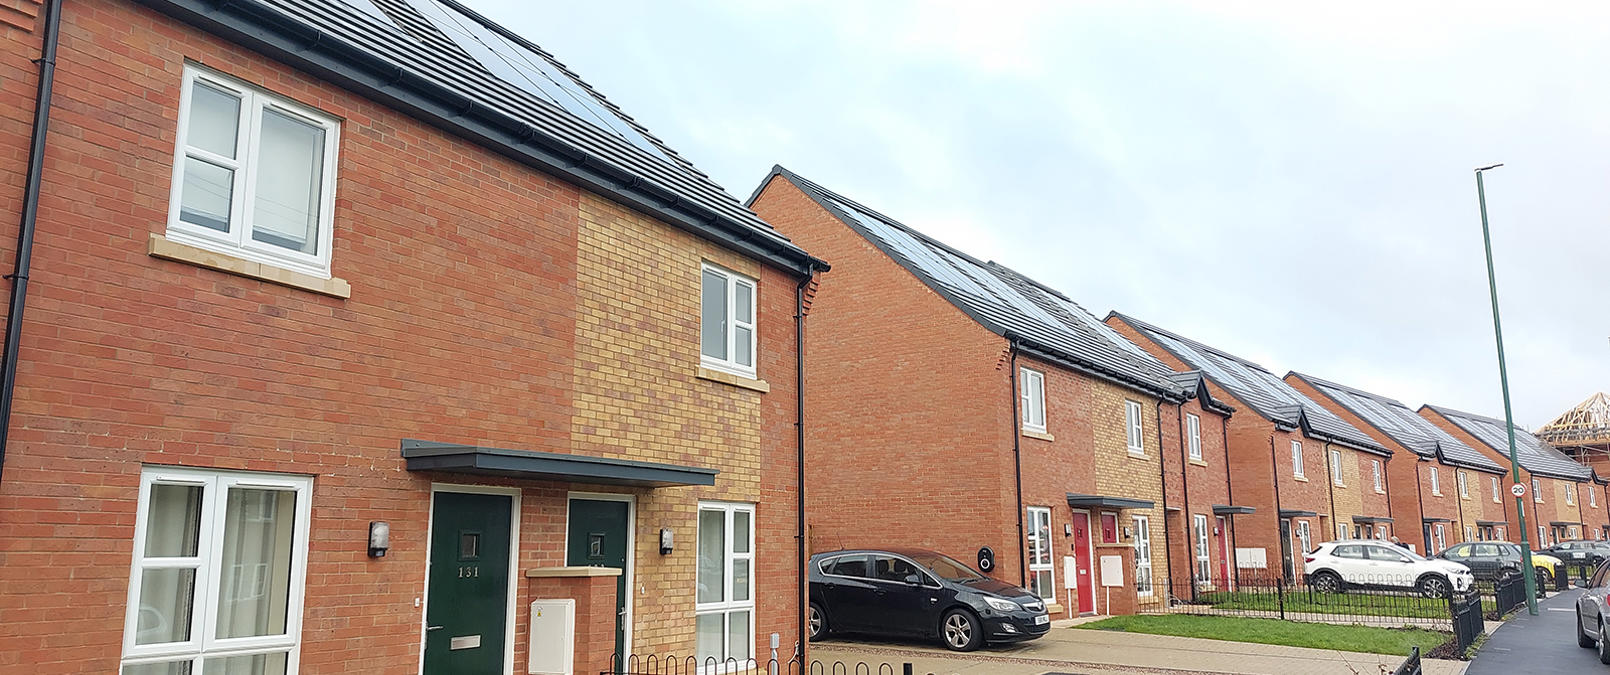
[(368, 7)]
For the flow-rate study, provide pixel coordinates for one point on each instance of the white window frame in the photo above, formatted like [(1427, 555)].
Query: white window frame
[(238, 242), (1204, 562), (1032, 399), (1464, 488), (1135, 430), (1470, 533), (727, 605), (1143, 556), (1304, 536), (1593, 498), (1039, 551), (1336, 468), (1570, 494), (1297, 469), (734, 280), (1441, 538), (1375, 470), (1537, 491), (204, 643), (1542, 535), (1436, 481), (1193, 435), (1497, 499), (1341, 531)]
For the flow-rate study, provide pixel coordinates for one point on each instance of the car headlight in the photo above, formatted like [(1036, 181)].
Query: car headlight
[(1000, 605)]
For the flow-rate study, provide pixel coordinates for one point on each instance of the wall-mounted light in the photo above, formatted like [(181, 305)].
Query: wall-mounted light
[(1067, 529), (666, 541), (379, 538)]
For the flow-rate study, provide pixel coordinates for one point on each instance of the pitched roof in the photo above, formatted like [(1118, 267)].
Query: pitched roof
[(1252, 384), (1003, 301), (444, 63), (1402, 425), (1586, 424), (1194, 383), (1534, 455)]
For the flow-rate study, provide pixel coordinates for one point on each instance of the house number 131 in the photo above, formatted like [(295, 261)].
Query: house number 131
[(469, 571)]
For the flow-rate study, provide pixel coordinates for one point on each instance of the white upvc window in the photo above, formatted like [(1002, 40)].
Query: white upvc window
[(1442, 539), (1204, 568), (1496, 497), (1143, 556), (253, 175), (1042, 573), (727, 321), (1470, 533), (1033, 399), (220, 562), (1464, 489), (1375, 471), (725, 601), (1570, 494), (1297, 459), (1304, 537), (1537, 491), (1193, 435), (1341, 531), (1436, 481), (1593, 497), (1336, 467), (1135, 437), (1542, 536)]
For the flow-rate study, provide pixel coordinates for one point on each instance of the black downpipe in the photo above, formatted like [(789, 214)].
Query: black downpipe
[(1281, 538), (799, 459), (30, 218), (1162, 477), (1459, 501), (1229, 494), (1419, 494), (1017, 472), (1187, 519), (1330, 478)]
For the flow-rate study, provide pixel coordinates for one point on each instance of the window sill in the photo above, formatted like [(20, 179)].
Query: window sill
[(1039, 434), (739, 381), (1434, 493), (1141, 454), (1300, 478), (1197, 462), (1379, 491), (1340, 485), (167, 249)]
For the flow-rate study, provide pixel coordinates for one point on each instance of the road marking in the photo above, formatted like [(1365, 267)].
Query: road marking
[(1560, 609)]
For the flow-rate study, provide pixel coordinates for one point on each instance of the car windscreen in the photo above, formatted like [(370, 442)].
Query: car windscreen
[(946, 568)]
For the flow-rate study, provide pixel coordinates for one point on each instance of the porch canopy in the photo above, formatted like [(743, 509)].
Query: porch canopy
[(1297, 513), (1371, 520), (1563, 523), (1490, 523), (1430, 519), (533, 465), (1080, 501), (1229, 510)]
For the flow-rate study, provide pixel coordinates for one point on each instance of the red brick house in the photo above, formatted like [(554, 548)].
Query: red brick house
[(1564, 500), (1302, 468), (364, 337), (959, 406), (1202, 506), (1450, 490)]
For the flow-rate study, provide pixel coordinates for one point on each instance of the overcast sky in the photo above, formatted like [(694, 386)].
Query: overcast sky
[(1292, 185)]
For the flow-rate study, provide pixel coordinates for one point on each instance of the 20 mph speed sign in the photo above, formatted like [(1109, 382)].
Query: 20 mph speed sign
[(1517, 490)]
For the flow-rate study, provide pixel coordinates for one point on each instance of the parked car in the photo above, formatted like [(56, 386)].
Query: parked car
[(1336, 566), (1493, 560), (912, 592), (1592, 608), (1585, 552)]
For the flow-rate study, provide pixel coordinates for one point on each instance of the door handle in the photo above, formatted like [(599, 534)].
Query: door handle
[(431, 628)]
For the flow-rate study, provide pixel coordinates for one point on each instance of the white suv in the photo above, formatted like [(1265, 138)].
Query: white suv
[(1335, 566)]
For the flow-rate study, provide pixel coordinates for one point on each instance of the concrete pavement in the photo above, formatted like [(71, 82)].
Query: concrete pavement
[(1538, 645), (1104, 652)]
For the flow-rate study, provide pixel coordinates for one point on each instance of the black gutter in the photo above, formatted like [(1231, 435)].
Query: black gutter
[(263, 29), (1185, 489), (30, 220), (1017, 468), (802, 593)]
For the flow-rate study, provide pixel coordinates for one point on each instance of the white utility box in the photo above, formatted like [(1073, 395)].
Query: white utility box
[(553, 637)]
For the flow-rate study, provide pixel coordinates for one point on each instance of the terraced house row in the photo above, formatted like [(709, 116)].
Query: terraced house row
[(365, 336)]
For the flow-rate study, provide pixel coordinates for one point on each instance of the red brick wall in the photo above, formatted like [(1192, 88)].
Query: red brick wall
[(908, 396), (1534, 510), (595, 617), (1195, 487)]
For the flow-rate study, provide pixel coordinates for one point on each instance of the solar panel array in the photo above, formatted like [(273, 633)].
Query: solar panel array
[(1266, 393), (1001, 299), (1402, 425), (1534, 455)]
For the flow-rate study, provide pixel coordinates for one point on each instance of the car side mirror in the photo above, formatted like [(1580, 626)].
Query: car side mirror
[(914, 580)]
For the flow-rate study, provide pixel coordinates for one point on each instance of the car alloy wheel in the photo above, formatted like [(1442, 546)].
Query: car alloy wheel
[(1434, 587), (818, 621), (961, 631), (1325, 582), (1604, 644)]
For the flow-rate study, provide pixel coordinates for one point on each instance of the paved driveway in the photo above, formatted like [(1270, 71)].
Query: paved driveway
[(1538, 645)]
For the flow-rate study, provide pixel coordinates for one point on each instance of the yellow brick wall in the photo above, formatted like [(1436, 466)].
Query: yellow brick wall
[(1348, 497), (637, 396), (1121, 474)]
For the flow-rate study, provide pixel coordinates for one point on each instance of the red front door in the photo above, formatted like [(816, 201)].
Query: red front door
[(1223, 533), (1081, 558)]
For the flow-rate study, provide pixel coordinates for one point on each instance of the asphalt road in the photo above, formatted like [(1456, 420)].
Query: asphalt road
[(1538, 645)]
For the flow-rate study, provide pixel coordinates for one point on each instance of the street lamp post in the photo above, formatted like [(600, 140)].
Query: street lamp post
[(1509, 417)]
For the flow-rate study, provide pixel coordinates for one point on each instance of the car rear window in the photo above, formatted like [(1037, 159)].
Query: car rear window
[(1349, 551), (1384, 553), (847, 566)]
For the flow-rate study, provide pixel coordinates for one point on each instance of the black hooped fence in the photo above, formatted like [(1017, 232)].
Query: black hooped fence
[(634, 664)]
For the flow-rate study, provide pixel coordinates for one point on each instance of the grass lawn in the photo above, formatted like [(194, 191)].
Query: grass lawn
[(1314, 602), (1396, 641)]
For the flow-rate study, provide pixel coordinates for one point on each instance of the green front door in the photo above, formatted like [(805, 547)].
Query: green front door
[(468, 584), (597, 536)]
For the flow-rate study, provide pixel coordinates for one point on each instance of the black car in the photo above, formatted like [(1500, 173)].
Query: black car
[(1493, 560), (1586, 552), (917, 593)]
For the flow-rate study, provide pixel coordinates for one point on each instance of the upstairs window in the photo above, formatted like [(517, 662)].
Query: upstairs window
[(1297, 459), (1436, 482), (727, 321), (1375, 470), (1496, 498), (1336, 467), (1537, 491), (1033, 402), (254, 175), (1193, 435), (1464, 490), (1570, 494), (1593, 497), (1132, 421)]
